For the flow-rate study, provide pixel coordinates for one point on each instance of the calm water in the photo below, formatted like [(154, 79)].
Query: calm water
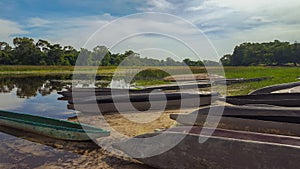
[(33, 95)]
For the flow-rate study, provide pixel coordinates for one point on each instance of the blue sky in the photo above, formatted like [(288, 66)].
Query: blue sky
[(226, 23)]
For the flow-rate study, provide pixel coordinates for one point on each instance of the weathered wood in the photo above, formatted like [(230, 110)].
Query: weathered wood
[(276, 99), (224, 149), (251, 111), (143, 102), (235, 123)]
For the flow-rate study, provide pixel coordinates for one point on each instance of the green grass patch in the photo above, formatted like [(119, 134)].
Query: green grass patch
[(279, 74), (150, 82)]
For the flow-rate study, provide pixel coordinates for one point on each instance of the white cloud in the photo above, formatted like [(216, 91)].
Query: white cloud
[(37, 22), (230, 22), (73, 31), (226, 22), (9, 29), (154, 5)]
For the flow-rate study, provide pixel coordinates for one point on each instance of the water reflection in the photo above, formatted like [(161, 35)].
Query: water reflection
[(29, 86)]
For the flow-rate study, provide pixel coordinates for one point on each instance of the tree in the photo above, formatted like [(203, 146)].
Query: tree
[(226, 60), (70, 55), (26, 52), (6, 55), (55, 55)]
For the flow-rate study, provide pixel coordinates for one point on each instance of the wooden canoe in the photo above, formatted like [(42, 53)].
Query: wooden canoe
[(181, 86), (276, 99), (54, 128), (224, 149), (273, 88), (252, 111), (86, 92), (260, 124), (142, 103), (239, 80), (82, 92)]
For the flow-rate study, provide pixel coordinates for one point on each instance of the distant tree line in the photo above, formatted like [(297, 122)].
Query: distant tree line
[(269, 53), (28, 52)]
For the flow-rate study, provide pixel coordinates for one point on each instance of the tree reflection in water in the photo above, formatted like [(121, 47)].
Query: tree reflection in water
[(29, 86)]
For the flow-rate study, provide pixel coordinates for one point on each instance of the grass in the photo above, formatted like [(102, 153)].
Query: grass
[(40, 70), (279, 74)]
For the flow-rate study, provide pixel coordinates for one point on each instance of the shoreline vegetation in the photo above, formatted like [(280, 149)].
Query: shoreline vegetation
[(155, 75)]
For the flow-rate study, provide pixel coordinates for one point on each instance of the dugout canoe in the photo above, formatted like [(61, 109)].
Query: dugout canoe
[(253, 111), (82, 92), (276, 99), (286, 125), (239, 80), (224, 149), (54, 128), (143, 102), (273, 88), (86, 92)]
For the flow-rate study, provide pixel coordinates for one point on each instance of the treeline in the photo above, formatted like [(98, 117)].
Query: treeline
[(271, 53), (28, 52)]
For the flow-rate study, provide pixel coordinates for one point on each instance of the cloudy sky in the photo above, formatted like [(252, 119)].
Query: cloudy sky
[(225, 23)]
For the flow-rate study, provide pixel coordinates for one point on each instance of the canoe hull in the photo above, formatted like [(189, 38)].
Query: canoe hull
[(274, 88), (216, 152), (55, 130), (142, 106), (276, 99), (232, 123)]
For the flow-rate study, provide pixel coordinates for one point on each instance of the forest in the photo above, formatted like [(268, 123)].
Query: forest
[(268, 53), (28, 52)]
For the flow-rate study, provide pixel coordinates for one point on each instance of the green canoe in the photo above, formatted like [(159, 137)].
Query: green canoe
[(50, 127)]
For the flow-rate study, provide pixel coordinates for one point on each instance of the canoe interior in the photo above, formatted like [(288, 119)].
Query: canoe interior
[(42, 121)]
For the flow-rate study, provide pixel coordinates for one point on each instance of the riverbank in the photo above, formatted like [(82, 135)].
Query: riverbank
[(154, 76)]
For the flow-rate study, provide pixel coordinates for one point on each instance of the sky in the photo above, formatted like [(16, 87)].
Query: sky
[(225, 23)]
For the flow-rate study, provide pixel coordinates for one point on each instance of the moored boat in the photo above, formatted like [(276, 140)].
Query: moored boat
[(246, 118), (54, 128), (222, 149), (273, 88), (251, 111), (86, 92), (276, 99), (143, 102)]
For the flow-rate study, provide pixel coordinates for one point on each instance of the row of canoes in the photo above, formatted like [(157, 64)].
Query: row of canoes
[(275, 99), (255, 135)]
